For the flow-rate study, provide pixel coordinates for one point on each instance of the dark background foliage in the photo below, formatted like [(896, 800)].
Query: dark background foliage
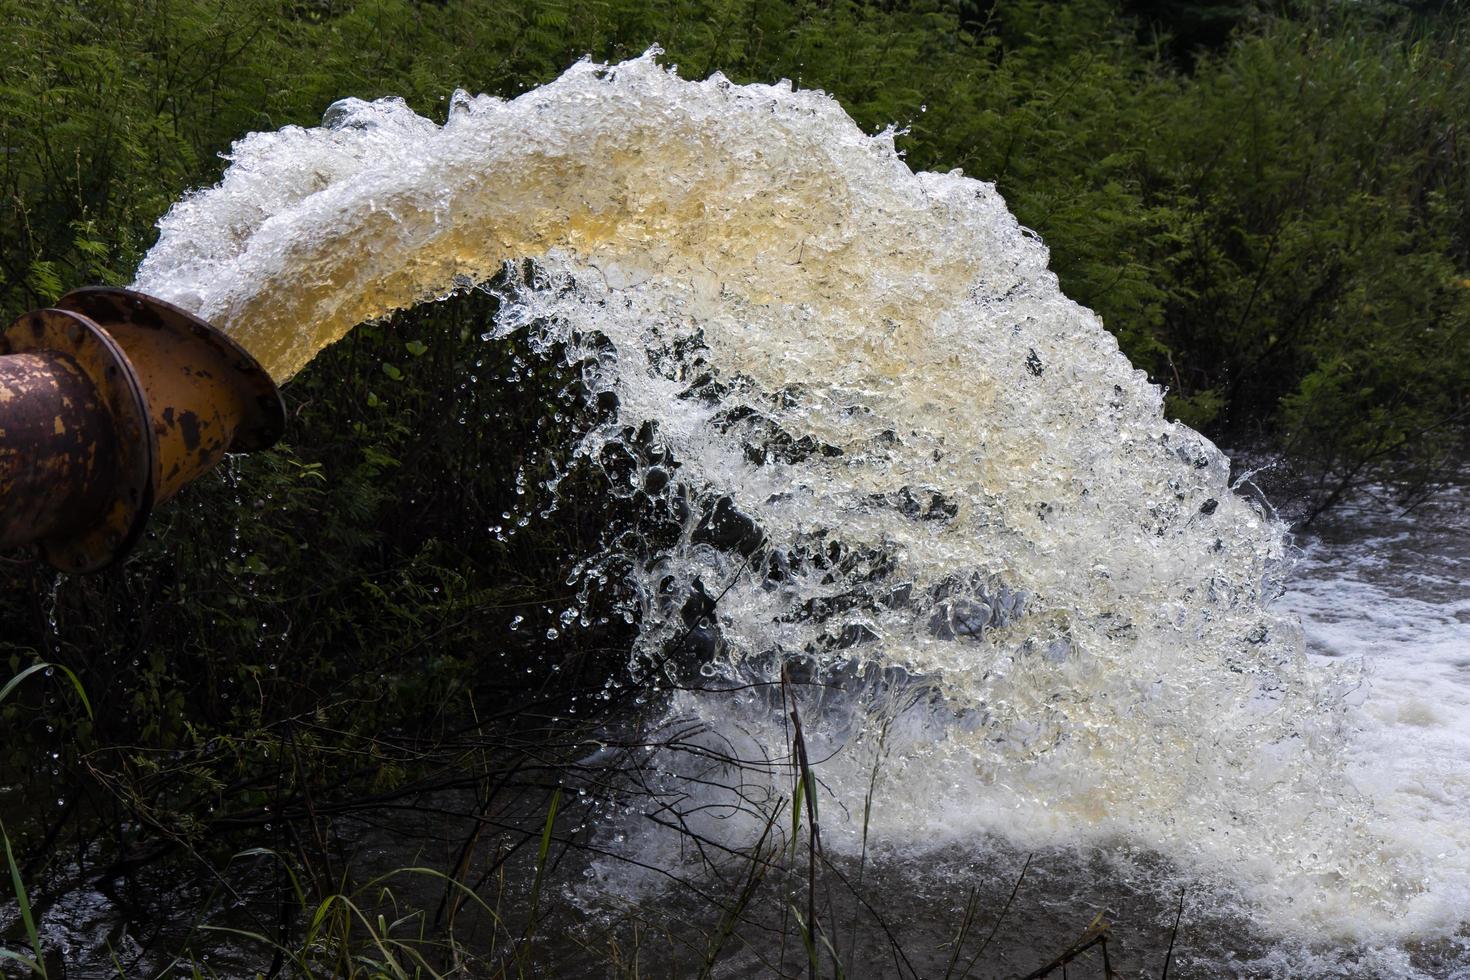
[(1266, 202)]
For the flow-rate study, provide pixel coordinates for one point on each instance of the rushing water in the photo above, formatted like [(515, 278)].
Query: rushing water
[(905, 462), (1388, 595)]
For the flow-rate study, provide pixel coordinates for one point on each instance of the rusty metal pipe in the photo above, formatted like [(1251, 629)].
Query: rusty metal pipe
[(56, 446), (111, 403)]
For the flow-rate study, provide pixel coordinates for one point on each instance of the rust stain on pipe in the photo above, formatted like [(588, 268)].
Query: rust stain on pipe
[(206, 395), (111, 403), (56, 447)]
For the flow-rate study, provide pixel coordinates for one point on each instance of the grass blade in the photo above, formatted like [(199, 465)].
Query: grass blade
[(39, 966), (76, 682), (1173, 935), (25, 961)]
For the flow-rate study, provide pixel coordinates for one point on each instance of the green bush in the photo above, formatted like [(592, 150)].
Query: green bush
[(1268, 208), (1232, 204)]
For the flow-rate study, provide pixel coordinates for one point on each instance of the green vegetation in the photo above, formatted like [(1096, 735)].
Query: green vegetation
[(1273, 226), (1268, 204)]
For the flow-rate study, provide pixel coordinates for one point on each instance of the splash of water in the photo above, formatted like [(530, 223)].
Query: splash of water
[(955, 473)]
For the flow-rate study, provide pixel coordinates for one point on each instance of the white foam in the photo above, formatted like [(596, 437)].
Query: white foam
[(1390, 595), (1082, 586)]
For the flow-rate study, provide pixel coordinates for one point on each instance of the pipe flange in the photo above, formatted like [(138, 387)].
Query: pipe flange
[(122, 518), (122, 310)]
